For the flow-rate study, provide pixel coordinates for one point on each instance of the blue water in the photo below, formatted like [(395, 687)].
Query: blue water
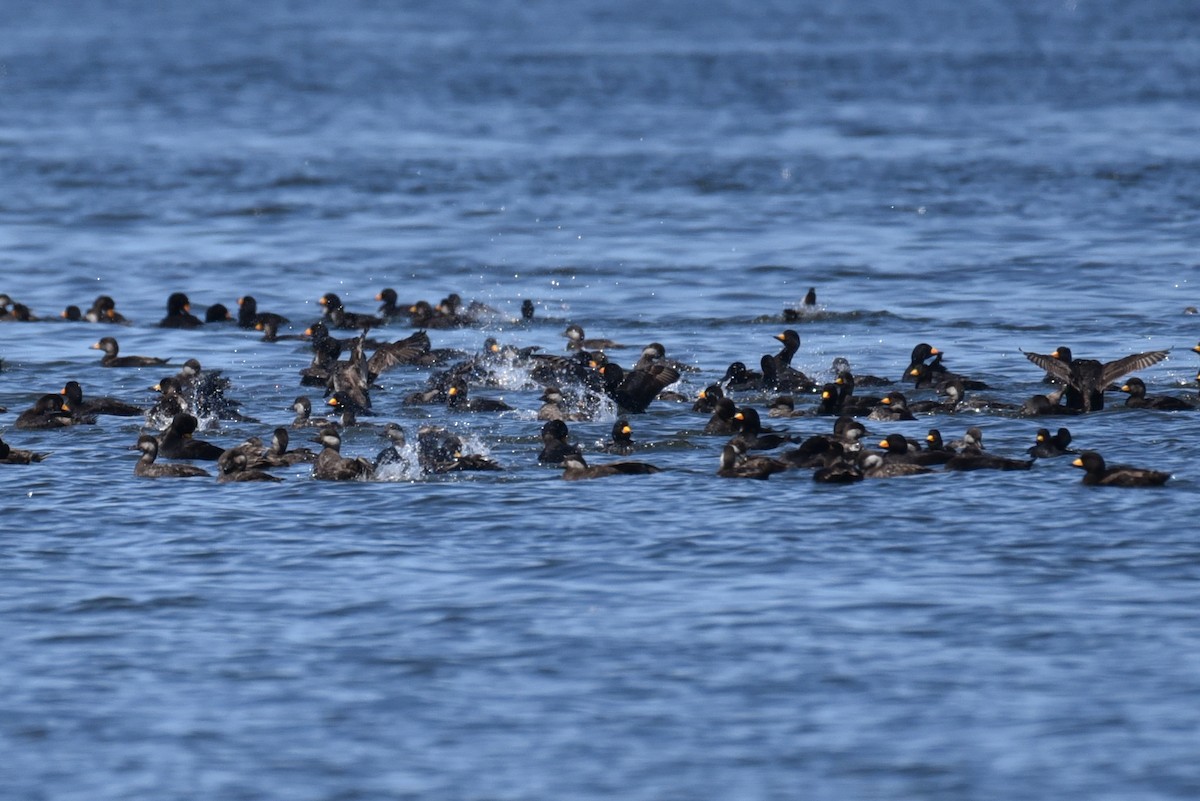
[(985, 176)]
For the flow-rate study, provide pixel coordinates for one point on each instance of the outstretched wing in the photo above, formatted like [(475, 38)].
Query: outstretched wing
[(1130, 364), (1059, 370), (403, 351)]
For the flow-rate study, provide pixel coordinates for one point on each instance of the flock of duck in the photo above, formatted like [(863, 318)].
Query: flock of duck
[(580, 384)]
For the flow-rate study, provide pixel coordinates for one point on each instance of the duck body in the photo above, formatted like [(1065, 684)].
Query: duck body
[(111, 357), (1099, 474), (575, 468)]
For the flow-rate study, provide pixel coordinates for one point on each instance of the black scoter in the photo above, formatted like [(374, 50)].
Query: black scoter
[(179, 313), (1087, 379), (575, 468), (112, 359), (146, 467), (1118, 475)]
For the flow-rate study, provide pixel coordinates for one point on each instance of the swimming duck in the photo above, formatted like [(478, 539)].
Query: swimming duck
[(146, 467), (78, 406), (706, 399), (842, 364), (739, 378), (555, 444), (10, 455), (1049, 445), (575, 468), (49, 412), (577, 341), (302, 406), (330, 465), (458, 400), (622, 439), (179, 313), (736, 464), (250, 317), (1097, 473), (237, 469), (751, 435), (784, 406), (271, 333), (1138, 399), (104, 310), (874, 466), (391, 306), (111, 359), (177, 441), (897, 448), (892, 408), (336, 316), (217, 313)]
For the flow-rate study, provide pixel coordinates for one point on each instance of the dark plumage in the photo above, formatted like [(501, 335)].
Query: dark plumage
[(112, 359), (972, 441), (838, 468), (875, 466), (179, 313), (48, 412), (575, 468), (250, 317), (270, 330), (217, 313), (205, 391), (10, 455), (622, 439), (394, 459), (739, 378), (986, 461), (844, 400), (458, 400), (735, 464), (391, 304), (1097, 473), (555, 444), (892, 407), (177, 441), (634, 391), (336, 315), (791, 344), (1087, 379), (278, 455), (172, 401), (302, 406), (104, 310), (78, 406), (1049, 445), (751, 435), (237, 469), (706, 399), (409, 350), (1045, 405), (577, 341), (899, 450), (841, 364), (1138, 399), (330, 465), (146, 467), (784, 406)]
